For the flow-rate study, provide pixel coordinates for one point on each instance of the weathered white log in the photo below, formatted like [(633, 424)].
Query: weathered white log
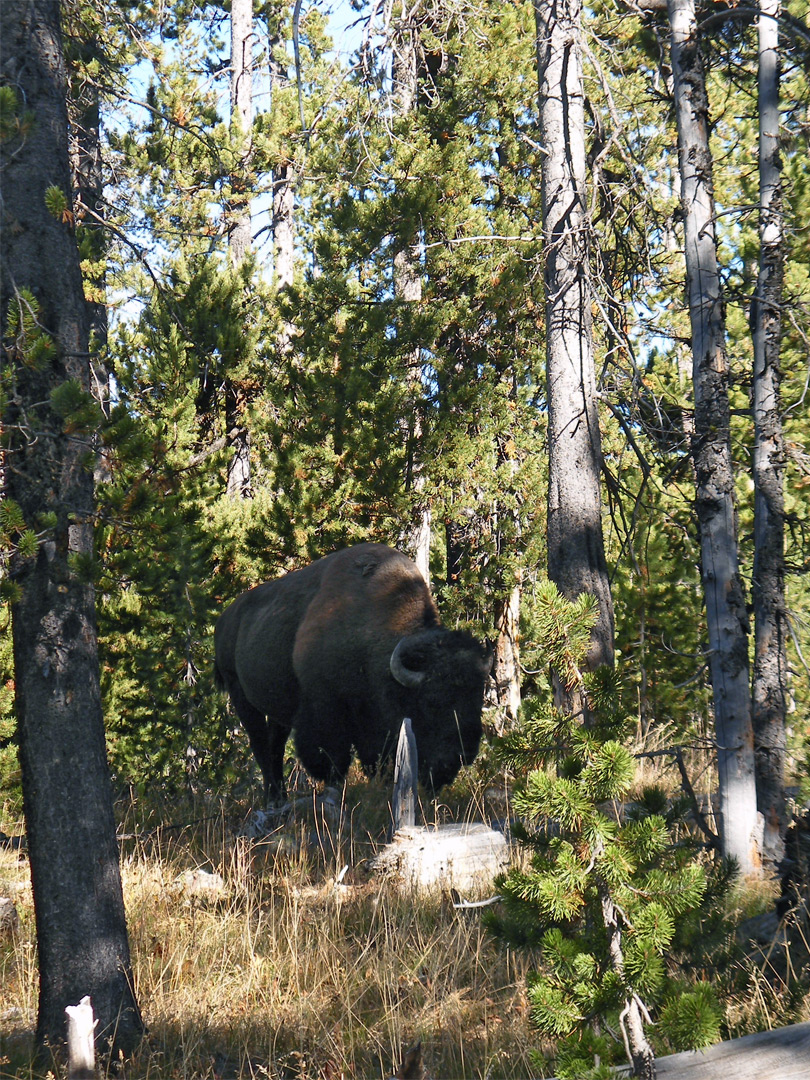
[(406, 769), (80, 1047), (463, 857), (199, 886), (9, 916), (783, 1054)]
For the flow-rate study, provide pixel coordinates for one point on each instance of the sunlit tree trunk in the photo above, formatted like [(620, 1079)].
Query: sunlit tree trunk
[(284, 180), (769, 684), (724, 595), (408, 290), (239, 235), (82, 945), (506, 668), (576, 555)]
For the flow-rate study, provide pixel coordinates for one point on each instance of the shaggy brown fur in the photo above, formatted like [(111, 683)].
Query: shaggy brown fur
[(311, 652)]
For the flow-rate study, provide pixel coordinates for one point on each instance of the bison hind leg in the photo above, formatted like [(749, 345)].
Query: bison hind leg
[(267, 741)]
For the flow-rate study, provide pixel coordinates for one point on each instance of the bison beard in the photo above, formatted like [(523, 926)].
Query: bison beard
[(339, 653)]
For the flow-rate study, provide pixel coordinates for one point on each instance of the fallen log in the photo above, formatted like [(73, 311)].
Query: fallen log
[(782, 1054), (9, 917), (462, 857)]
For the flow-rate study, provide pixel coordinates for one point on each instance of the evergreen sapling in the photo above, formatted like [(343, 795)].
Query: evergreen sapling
[(606, 885)]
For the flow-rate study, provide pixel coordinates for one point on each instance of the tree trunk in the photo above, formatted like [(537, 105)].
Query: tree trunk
[(82, 942), (84, 116), (238, 484), (285, 181), (711, 450), (506, 670), (632, 1016), (239, 236), (769, 686), (507, 529), (408, 290), (576, 555), (88, 182)]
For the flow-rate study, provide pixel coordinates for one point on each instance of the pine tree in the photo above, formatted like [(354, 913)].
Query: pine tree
[(608, 887), (168, 530)]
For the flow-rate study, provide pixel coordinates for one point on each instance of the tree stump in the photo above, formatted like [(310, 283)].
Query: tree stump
[(406, 768), (80, 1032)]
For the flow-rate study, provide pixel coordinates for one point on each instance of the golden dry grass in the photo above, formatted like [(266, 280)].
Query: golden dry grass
[(294, 969), (287, 974)]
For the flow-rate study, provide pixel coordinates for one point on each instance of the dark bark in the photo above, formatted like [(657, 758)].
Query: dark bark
[(81, 930), (769, 684), (724, 594), (576, 554), (455, 543)]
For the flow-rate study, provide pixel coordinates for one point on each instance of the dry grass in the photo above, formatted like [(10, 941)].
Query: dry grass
[(296, 970), (286, 973)]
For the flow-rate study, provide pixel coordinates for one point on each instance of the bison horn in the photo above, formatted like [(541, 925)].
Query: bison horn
[(404, 675)]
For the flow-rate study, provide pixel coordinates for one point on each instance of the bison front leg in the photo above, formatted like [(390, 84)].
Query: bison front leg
[(322, 744)]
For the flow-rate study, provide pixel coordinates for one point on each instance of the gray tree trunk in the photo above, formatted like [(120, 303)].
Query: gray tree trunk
[(576, 554), (769, 685), (285, 181), (506, 670), (632, 1017), (82, 944), (239, 236), (711, 449), (408, 290)]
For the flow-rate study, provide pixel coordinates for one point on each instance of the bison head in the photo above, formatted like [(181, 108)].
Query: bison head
[(442, 675)]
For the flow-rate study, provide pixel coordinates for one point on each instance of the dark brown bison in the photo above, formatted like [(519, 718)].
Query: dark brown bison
[(340, 652)]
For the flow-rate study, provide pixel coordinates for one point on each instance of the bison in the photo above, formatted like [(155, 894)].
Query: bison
[(340, 652)]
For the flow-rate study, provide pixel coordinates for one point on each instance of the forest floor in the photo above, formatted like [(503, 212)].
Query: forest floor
[(280, 958)]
